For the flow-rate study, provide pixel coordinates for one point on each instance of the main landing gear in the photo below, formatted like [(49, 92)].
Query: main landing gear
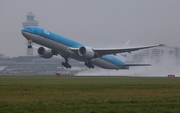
[(66, 64), (29, 44), (89, 64)]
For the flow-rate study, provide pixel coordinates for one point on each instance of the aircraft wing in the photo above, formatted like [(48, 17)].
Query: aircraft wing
[(99, 52)]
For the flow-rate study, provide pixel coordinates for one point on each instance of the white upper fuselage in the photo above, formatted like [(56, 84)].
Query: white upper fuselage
[(63, 46)]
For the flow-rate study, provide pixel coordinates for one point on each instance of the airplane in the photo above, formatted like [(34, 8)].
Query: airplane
[(54, 44)]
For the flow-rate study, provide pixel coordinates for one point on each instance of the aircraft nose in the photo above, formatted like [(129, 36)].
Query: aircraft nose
[(23, 33), (26, 34)]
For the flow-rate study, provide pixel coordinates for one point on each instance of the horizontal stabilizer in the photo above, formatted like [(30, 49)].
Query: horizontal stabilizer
[(136, 64)]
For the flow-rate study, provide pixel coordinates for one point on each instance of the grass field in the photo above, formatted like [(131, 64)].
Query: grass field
[(89, 95)]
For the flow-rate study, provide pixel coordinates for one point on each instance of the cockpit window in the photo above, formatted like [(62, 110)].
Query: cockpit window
[(28, 28)]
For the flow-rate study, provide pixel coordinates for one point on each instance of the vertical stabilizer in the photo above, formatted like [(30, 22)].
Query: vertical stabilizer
[(127, 43), (123, 56)]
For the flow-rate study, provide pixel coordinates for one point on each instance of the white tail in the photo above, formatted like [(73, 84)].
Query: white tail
[(123, 56), (127, 43)]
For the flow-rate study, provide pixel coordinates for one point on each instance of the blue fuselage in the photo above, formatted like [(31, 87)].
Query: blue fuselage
[(62, 45)]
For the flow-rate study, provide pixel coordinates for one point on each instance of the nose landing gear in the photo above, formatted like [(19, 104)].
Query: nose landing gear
[(29, 44)]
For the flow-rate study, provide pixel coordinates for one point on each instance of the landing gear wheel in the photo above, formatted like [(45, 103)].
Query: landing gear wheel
[(69, 66), (66, 64), (89, 65), (29, 46)]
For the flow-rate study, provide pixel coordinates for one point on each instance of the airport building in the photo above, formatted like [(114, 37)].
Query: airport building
[(2, 56), (36, 64), (140, 56), (157, 55), (177, 54), (30, 20)]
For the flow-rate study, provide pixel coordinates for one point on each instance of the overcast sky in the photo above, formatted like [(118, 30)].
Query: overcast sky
[(97, 23)]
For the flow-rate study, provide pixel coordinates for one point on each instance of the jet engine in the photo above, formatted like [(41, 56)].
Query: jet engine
[(86, 51), (44, 52)]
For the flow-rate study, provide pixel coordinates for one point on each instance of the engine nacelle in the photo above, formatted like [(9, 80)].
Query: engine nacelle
[(86, 51), (44, 52)]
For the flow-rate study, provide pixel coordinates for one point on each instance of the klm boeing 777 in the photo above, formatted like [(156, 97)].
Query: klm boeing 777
[(54, 44)]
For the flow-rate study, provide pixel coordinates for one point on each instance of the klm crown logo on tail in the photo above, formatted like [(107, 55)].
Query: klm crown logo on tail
[(124, 55)]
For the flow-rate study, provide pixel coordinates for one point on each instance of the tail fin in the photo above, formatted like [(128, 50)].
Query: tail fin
[(123, 56), (127, 43)]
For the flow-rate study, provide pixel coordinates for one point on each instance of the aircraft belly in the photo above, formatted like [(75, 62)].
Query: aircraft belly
[(77, 57), (104, 64)]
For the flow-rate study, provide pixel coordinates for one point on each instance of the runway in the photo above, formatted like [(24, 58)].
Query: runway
[(79, 75)]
